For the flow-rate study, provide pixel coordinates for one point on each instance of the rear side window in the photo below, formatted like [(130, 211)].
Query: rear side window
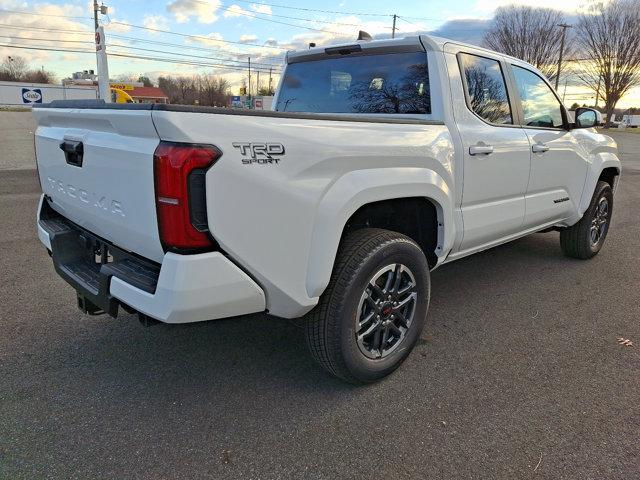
[(392, 83), (486, 88), (540, 106)]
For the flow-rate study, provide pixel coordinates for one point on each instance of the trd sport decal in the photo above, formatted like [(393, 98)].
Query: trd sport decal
[(260, 153)]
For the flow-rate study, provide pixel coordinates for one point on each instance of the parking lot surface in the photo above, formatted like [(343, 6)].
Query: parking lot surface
[(519, 373)]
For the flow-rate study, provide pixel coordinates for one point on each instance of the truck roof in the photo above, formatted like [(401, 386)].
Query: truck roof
[(389, 45)]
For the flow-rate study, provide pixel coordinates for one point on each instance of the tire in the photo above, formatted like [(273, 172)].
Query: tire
[(577, 241), (346, 331)]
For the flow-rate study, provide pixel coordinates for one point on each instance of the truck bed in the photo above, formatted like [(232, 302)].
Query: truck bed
[(167, 107)]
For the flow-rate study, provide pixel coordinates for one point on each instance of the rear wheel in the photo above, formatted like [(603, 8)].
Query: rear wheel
[(585, 239), (373, 310)]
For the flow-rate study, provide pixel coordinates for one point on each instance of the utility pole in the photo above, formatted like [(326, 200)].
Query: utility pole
[(249, 77), (270, 68), (564, 27), (95, 14), (598, 90), (258, 83), (393, 29)]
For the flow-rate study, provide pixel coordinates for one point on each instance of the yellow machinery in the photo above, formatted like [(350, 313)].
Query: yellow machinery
[(120, 96)]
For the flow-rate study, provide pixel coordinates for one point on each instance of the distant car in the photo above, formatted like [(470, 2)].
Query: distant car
[(631, 121), (382, 161)]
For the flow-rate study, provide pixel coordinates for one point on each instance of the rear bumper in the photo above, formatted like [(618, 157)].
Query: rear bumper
[(183, 289)]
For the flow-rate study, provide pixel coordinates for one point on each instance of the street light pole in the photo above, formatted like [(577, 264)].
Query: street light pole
[(564, 31)]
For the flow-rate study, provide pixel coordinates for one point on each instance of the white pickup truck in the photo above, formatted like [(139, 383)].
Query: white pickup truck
[(382, 161)]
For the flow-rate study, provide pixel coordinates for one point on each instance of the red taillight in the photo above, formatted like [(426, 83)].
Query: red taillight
[(179, 171)]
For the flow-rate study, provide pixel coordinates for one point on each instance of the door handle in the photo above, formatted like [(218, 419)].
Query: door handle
[(73, 152), (539, 148), (480, 149)]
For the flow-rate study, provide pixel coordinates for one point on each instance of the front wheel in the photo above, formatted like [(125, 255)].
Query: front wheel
[(373, 310), (586, 238)]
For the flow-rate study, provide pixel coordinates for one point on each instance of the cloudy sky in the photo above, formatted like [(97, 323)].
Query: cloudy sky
[(219, 35)]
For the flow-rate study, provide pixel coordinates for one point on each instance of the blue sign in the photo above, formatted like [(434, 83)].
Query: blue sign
[(31, 95)]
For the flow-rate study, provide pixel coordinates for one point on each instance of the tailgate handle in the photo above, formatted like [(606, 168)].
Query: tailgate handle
[(73, 152)]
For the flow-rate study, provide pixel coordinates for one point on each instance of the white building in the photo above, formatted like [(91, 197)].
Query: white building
[(27, 94)]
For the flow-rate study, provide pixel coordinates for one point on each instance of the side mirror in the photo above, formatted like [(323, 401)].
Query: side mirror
[(587, 118)]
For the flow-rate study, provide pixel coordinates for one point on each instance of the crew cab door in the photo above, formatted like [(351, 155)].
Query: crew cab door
[(495, 149), (558, 162)]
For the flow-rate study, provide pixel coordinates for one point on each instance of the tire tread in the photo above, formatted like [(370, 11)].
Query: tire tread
[(574, 240), (324, 320)]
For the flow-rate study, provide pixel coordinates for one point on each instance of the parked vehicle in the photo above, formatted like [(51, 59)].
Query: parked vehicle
[(631, 121), (382, 161)]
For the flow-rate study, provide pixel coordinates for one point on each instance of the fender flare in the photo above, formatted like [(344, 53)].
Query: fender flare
[(601, 161), (358, 188)]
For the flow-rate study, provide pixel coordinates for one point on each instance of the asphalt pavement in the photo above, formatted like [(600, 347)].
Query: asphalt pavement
[(519, 374)]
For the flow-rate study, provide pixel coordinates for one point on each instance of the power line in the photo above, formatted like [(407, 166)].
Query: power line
[(338, 12), (189, 47), (80, 32), (198, 37), (250, 15), (315, 9), (77, 32), (17, 12), (407, 21), (187, 55), (140, 57), (87, 42), (230, 8), (115, 45)]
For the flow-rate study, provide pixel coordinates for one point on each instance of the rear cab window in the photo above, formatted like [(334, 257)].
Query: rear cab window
[(485, 88), (394, 83)]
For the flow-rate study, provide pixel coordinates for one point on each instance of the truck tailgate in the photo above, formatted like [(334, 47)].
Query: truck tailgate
[(104, 182)]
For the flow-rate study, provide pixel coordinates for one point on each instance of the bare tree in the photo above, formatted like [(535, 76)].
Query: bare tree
[(608, 36), (146, 82), (207, 89), (529, 33), (16, 69), (13, 69), (39, 76)]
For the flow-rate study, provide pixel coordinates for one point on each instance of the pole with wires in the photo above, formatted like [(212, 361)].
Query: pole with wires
[(95, 14), (249, 77), (393, 29), (564, 27)]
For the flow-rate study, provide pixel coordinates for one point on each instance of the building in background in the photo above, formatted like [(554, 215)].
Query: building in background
[(261, 102), (141, 94), (27, 94), (136, 90)]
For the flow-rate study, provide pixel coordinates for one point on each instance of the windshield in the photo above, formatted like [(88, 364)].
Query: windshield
[(392, 83)]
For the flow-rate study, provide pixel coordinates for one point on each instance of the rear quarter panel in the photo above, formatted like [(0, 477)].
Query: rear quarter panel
[(282, 222)]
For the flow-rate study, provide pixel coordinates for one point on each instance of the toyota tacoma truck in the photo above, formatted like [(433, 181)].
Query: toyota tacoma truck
[(381, 161)]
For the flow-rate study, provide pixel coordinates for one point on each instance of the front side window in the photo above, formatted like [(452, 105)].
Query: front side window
[(486, 88), (540, 106), (390, 83)]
